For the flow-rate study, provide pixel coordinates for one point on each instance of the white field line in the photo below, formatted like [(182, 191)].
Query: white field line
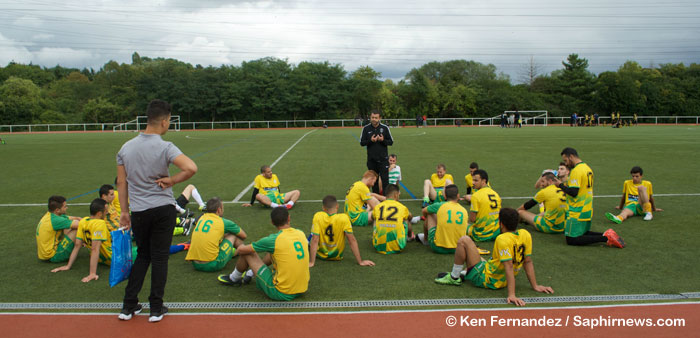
[(319, 201), (238, 197)]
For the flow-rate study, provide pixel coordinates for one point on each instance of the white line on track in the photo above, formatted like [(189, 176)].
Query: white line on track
[(238, 197)]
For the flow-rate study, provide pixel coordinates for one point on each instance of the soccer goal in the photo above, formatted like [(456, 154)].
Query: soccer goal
[(140, 124), (529, 117)]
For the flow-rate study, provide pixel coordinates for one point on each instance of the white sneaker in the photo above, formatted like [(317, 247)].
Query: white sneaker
[(415, 219), (421, 238), (648, 216)]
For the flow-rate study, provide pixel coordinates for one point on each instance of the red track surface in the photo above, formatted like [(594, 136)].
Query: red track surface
[(571, 323)]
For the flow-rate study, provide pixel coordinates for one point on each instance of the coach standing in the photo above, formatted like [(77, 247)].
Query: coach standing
[(144, 185), (377, 137)]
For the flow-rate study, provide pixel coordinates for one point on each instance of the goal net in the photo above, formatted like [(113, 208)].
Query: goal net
[(528, 117)]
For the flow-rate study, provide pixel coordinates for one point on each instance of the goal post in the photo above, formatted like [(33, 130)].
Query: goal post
[(530, 117)]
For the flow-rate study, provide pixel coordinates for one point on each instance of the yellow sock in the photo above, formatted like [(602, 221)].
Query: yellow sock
[(646, 207)]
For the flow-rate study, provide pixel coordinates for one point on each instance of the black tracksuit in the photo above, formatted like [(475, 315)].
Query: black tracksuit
[(377, 152)]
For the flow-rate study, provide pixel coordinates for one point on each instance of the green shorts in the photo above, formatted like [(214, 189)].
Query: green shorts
[(275, 197), (576, 228), (439, 195), (264, 279), (635, 208), (476, 274), (437, 248), (361, 218), (544, 225), (226, 251), (63, 251)]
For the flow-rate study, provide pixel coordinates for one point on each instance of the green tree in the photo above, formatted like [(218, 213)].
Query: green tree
[(20, 101), (102, 111)]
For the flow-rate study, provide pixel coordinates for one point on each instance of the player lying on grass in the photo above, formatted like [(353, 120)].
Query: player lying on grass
[(637, 198), (94, 234), (214, 239), (511, 253), (433, 187), (553, 219), (392, 223), (55, 233), (358, 195), (287, 250), (267, 191), (329, 230)]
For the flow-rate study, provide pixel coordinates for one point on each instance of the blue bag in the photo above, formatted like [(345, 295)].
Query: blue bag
[(121, 257)]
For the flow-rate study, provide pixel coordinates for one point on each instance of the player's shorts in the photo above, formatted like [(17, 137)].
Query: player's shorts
[(436, 248), (359, 219), (544, 225), (226, 251), (275, 196), (476, 274), (440, 195), (63, 251), (264, 280), (635, 208), (576, 228), (182, 201)]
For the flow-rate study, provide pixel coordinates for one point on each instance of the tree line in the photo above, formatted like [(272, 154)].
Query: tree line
[(273, 89)]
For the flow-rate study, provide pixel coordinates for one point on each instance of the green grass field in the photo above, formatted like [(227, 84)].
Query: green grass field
[(659, 257)]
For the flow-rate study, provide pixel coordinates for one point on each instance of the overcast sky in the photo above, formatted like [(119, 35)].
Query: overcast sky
[(390, 36)]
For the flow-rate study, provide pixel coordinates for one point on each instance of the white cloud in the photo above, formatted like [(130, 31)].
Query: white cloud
[(12, 51), (66, 57)]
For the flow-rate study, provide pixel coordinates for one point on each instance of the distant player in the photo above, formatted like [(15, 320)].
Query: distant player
[(579, 198), (512, 251), (358, 195), (392, 223), (267, 191), (214, 239), (55, 233), (184, 198), (484, 211), (433, 188), (394, 171), (637, 198), (329, 230), (445, 223), (94, 235), (287, 250), (553, 219)]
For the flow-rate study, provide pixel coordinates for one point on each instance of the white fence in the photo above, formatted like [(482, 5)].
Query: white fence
[(473, 121)]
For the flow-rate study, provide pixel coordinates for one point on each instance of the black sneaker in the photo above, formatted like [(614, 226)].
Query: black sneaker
[(226, 280), (126, 314), (158, 316), (246, 279), (187, 226)]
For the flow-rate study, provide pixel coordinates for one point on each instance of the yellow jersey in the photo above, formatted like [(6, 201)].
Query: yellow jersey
[(331, 230), (289, 249), (439, 183), (555, 208), (116, 205), (389, 234), (632, 193), (267, 184), (207, 236), (470, 182), (581, 206), (452, 221), (49, 233), (95, 229), (510, 246), (355, 199), (486, 203)]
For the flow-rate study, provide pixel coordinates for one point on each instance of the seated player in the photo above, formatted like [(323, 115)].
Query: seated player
[(512, 251), (94, 235), (553, 219), (115, 202), (287, 250), (329, 230), (470, 182), (394, 171), (484, 211), (214, 239), (184, 198), (445, 223), (267, 191), (112, 216), (433, 188), (562, 173), (358, 196), (637, 198), (55, 234), (392, 223)]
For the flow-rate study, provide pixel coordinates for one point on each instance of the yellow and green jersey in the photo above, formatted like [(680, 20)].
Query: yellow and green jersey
[(389, 235), (581, 206), (486, 203), (112, 217), (207, 235), (555, 207), (289, 249), (452, 221), (632, 193), (116, 205), (355, 200), (510, 246), (331, 230), (267, 185), (49, 233), (95, 229), (439, 183), (470, 182)]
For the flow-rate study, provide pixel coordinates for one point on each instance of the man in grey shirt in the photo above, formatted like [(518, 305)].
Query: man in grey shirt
[(145, 188)]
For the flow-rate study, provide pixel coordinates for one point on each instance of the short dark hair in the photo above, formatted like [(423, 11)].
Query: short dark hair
[(263, 168), (474, 165), (482, 173), (562, 163), (391, 189), (56, 202), (376, 111), (509, 218), (568, 151), (451, 192), (549, 176), (393, 155), (213, 204), (637, 170), (97, 205), (279, 216), (157, 111), (330, 202), (105, 188)]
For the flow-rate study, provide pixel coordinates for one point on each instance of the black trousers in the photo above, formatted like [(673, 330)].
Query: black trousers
[(382, 168), (153, 232)]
